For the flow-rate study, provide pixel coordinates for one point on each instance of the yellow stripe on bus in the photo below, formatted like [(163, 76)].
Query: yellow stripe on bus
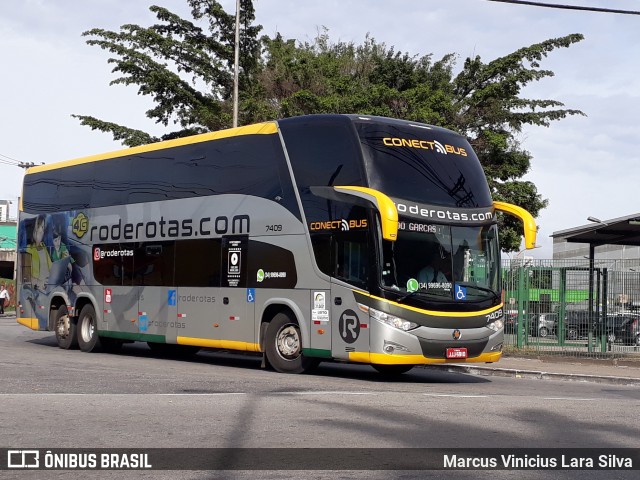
[(31, 323), (266, 128), (225, 344), (384, 359)]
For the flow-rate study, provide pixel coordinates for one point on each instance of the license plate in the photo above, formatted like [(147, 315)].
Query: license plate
[(456, 353)]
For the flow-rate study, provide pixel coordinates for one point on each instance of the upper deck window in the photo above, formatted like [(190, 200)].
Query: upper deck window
[(247, 165)]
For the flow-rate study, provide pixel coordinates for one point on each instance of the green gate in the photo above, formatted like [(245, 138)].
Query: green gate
[(570, 307)]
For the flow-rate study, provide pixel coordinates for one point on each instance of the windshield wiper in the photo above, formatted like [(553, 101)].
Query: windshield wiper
[(479, 288), (404, 297), (436, 293)]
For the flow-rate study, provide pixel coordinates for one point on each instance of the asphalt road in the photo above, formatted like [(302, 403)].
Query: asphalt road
[(52, 398)]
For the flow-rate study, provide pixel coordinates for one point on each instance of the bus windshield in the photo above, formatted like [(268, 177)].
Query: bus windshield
[(443, 263), (427, 166)]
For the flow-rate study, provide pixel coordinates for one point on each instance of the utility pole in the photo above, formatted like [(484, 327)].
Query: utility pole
[(236, 66)]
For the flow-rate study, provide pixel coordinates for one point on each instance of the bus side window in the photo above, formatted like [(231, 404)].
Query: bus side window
[(352, 259), (322, 249), (343, 256)]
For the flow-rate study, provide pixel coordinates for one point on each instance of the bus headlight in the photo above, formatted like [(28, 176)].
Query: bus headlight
[(496, 326), (392, 320)]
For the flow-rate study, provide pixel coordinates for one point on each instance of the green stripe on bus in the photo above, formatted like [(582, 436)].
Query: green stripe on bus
[(140, 337), (316, 352)]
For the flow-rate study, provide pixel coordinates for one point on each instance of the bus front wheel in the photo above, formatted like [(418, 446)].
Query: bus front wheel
[(283, 346), (88, 339)]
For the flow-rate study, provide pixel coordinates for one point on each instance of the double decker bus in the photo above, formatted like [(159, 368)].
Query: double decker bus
[(323, 237)]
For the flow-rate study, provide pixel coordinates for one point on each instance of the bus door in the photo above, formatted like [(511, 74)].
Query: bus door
[(350, 332), (237, 302)]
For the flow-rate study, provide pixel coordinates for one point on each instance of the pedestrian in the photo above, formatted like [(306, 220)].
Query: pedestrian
[(4, 298)]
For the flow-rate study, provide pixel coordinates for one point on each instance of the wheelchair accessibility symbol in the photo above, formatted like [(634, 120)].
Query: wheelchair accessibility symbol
[(461, 292), (251, 295)]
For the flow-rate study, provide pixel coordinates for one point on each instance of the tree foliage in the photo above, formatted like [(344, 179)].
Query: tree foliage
[(186, 66)]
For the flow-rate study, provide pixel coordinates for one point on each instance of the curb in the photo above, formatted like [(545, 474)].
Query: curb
[(514, 373)]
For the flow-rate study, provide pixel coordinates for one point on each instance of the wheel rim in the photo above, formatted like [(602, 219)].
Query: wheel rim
[(543, 332), (87, 329), (288, 342), (62, 327)]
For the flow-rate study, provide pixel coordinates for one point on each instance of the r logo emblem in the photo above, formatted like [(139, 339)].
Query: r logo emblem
[(349, 326)]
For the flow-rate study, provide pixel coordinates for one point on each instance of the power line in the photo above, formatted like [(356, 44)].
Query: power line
[(570, 7), (7, 160), (8, 157)]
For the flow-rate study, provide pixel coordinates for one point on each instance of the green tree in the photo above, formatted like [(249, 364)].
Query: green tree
[(188, 71), (482, 101), (186, 68)]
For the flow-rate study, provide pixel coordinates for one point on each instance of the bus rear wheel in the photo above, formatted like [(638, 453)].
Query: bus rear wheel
[(88, 339), (392, 370), (283, 346), (65, 328)]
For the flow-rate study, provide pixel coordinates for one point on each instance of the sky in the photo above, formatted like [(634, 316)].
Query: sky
[(585, 166)]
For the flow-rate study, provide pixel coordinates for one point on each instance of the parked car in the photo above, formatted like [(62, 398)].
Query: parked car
[(578, 324), (511, 322), (543, 324), (628, 331), (611, 324)]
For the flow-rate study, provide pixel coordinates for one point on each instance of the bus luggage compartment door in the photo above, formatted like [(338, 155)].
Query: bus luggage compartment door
[(157, 314), (121, 312)]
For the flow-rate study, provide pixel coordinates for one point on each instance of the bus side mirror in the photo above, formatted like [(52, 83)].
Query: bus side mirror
[(529, 224)]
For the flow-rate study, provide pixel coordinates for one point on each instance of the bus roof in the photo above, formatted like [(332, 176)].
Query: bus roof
[(371, 118), (270, 127), (256, 129)]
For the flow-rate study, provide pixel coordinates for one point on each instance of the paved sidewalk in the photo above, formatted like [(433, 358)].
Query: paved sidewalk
[(619, 372)]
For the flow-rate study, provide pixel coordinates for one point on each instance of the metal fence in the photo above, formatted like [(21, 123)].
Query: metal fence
[(572, 308)]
